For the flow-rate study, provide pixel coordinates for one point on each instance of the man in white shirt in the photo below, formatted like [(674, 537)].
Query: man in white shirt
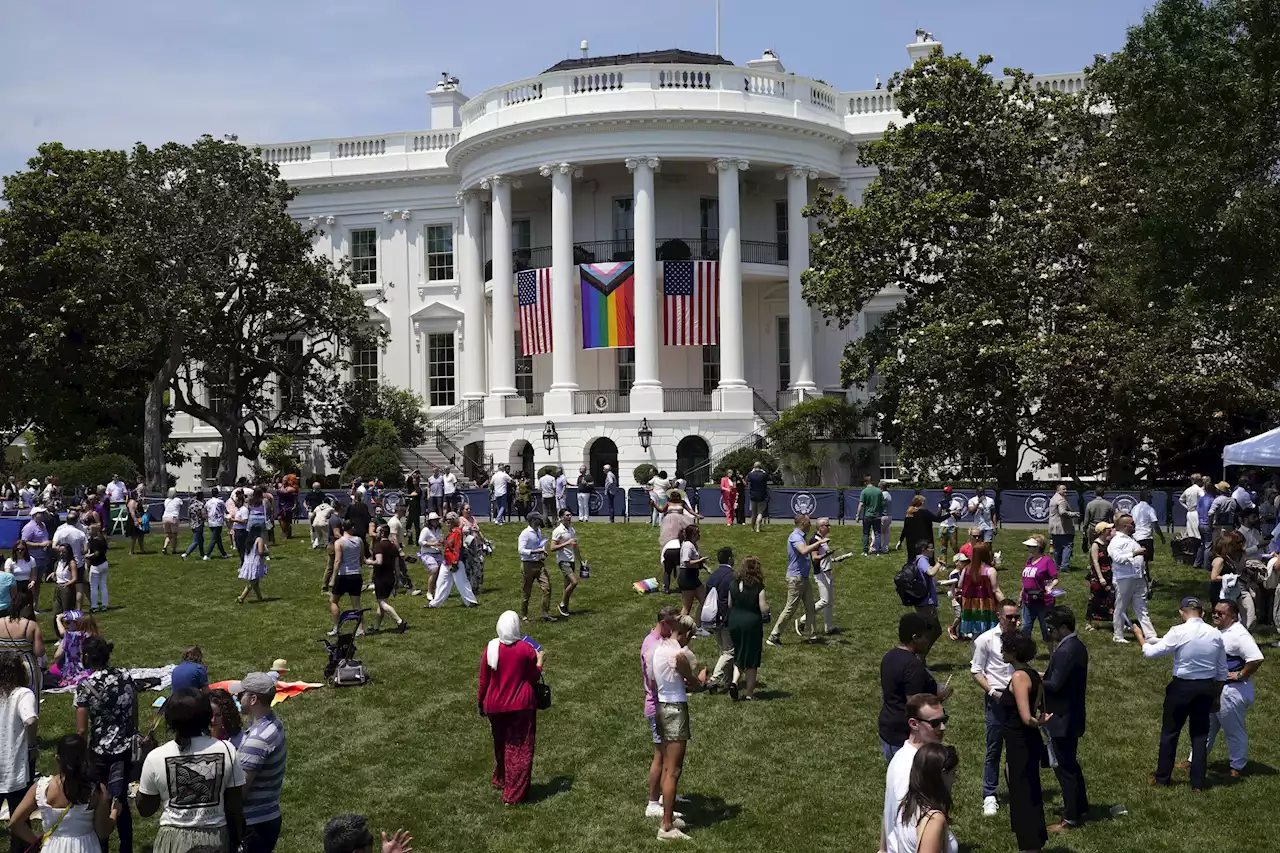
[(1243, 660), (1128, 572), (564, 544), (117, 491), (1242, 496), (983, 509), (610, 489), (992, 674), (532, 546), (27, 495), (216, 510), (1146, 526), (71, 533), (927, 722), (562, 483), (951, 507), (1199, 673), (546, 493), (501, 480), (450, 489), (1190, 497)]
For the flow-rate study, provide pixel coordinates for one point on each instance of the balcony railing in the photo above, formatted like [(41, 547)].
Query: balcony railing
[(522, 407), (669, 249), (685, 400), (600, 402)]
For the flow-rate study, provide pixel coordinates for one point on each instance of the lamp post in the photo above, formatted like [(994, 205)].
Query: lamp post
[(646, 434), (550, 436)]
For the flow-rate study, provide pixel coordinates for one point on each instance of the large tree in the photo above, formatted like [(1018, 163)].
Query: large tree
[(341, 419)]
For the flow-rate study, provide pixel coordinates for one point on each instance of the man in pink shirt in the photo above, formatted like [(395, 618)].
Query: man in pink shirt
[(667, 619)]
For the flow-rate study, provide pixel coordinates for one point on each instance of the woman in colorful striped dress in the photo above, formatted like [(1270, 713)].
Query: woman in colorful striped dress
[(980, 593)]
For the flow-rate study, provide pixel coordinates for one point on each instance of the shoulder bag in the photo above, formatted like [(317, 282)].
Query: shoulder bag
[(542, 693)]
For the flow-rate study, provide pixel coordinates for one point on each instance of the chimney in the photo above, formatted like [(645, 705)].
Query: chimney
[(446, 100), (768, 62), (922, 46)]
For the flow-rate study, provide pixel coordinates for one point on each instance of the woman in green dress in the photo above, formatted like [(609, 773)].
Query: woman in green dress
[(748, 611)]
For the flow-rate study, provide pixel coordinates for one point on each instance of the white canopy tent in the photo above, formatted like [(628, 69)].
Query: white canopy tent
[(1261, 450)]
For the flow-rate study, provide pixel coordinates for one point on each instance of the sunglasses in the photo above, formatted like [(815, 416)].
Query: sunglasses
[(934, 724)]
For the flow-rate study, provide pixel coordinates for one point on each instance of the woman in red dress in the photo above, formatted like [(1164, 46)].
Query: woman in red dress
[(509, 668), (729, 496)]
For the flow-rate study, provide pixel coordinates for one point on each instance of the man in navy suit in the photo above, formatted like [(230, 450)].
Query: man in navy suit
[(1064, 696)]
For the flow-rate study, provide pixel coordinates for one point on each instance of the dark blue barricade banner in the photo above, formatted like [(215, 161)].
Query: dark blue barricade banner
[(900, 499), (785, 503), (1125, 501), (710, 503), (479, 500), (1029, 507), (338, 499), (638, 503), (1179, 511), (11, 531), (392, 498), (598, 505)]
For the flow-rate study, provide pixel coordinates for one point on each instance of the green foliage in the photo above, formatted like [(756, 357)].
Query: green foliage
[(379, 432), (373, 462), (277, 453), (340, 420), (792, 436), (743, 459), (645, 472), (90, 471), (553, 470)]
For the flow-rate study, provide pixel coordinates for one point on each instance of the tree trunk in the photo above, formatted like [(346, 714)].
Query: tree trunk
[(228, 458), (154, 470)]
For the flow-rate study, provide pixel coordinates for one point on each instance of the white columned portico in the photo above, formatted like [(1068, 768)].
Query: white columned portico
[(564, 335), (502, 367), (471, 280), (800, 324), (646, 391), (735, 394)]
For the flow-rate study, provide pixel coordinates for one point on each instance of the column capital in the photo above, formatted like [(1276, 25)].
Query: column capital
[(464, 196), (724, 164), (498, 180), (652, 162), (804, 172), (546, 170)]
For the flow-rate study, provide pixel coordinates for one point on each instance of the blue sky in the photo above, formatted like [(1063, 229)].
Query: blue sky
[(103, 75)]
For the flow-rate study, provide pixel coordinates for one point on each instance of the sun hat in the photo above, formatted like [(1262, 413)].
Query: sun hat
[(33, 482), (279, 665), (433, 516), (1224, 486), (1036, 541)]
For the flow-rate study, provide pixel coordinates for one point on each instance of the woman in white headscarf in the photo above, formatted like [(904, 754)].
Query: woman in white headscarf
[(510, 666)]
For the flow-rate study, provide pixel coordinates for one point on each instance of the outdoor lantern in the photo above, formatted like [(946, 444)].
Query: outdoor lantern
[(646, 434), (550, 436)]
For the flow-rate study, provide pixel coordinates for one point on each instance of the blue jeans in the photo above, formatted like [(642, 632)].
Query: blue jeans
[(1035, 612), (987, 534), (261, 837), (889, 751), (995, 716), (499, 509), (1204, 552), (215, 538), (871, 534), (197, 542), (1062, 550)]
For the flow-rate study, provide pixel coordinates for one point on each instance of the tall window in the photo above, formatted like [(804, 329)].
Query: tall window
[(624, 220), (710, 367), (521, 235), (364, 256), (780, 229), (217, 396), (208, 470), (888, 462), (709, 226), (291, 387), (364, 363), (524, 372), (439, 252), (441, 379), (784, 353), (626, 369)]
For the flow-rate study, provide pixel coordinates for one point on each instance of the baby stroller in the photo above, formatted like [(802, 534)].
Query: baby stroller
[(343, 668)]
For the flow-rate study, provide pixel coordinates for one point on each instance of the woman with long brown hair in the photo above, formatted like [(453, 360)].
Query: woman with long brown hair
[(923, 818), (1228, 559), (980, 593), (748, 613), (76, 815), (21, 635)]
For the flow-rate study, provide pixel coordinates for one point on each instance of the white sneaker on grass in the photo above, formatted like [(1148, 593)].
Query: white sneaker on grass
[(672, 834), (655, 810), (989, 806)]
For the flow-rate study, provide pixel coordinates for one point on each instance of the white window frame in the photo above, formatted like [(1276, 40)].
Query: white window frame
[(428, 273), (889, 469), (357, 364), (452, 349), (361, 279)]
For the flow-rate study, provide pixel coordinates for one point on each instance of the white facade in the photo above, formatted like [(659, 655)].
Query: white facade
[(615, 159)]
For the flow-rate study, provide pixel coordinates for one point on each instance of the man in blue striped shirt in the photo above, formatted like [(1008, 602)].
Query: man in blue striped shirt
[(262, 757)]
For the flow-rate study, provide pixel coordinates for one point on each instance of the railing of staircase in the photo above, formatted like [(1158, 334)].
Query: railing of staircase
[(701, 473)]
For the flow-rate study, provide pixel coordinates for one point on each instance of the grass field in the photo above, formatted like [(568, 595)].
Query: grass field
[(801, 771)]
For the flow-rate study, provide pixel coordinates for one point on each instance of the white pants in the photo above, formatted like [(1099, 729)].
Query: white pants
[(584, 506), (1193, 524), (824, 603), (1132, 593), (446, 582), (1236, 699), (317, 536), (97, 584), (724, 664)]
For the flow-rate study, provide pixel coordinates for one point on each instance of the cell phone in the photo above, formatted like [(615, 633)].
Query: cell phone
[(159, 703)]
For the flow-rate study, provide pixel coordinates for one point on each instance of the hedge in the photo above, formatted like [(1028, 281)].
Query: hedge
[(90, 471), (645, 472)]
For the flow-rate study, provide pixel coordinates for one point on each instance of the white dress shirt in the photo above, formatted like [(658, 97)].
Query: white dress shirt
[(1241, 649), (1198, 651), (1144, 521), (1243, 499), (988, 659), (1124, 562), (530, 541)]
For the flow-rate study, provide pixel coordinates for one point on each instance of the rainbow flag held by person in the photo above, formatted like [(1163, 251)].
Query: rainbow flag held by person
[(608, 305)]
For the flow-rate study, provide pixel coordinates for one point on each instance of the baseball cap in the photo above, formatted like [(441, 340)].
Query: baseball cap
[(1102, 527), (257, 682), (1191, 603), (962, 558), (946, 489)]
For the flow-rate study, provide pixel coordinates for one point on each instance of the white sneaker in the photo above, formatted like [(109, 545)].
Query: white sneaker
[(332, 633), (1120, 640), (989, 806), (655, 810), (672, 834), (205, 558)]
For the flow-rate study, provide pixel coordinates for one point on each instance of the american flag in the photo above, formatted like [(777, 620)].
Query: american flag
[(533, 292), (691, 297)]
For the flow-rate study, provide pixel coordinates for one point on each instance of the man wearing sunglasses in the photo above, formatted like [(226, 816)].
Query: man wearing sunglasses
[(927, 722), (989, 670), (1243, 660)]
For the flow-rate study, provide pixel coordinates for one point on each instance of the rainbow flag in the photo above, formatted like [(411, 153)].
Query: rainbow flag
[(608, 305)]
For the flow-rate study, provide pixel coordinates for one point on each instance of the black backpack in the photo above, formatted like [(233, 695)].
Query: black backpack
[(910, 585)]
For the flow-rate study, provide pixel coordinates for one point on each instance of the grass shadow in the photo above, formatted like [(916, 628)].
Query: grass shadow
[(703, 810), (539, 791), (768, 695)]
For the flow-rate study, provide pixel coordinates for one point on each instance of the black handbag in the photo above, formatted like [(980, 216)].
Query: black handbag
[(542, 692)]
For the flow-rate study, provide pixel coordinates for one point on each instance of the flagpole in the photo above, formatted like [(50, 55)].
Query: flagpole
[(717, 27)]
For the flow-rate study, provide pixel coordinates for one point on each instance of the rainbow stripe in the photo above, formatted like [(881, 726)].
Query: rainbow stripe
[(608, 305)]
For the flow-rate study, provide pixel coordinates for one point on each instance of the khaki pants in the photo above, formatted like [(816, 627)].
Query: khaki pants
[(724, 664), (799, 590), (535, 572), (329, 558)]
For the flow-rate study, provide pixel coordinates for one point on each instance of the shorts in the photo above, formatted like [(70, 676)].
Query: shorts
[(671, 560), (347, 585), (384, 586), (653, 729), (672, 722), (988, 534), (688, 580), (566, 569)]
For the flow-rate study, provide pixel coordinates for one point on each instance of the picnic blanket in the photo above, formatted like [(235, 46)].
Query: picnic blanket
[(284, 689), (159, 678)]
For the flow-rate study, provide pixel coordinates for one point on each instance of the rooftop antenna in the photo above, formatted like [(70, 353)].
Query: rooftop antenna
[(717, 27), (583, 47)]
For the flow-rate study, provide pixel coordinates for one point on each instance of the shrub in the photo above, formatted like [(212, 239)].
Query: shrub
[(553, 470), (89, 471), (743, 459), (373, 463), (645, 472), (277, 453)]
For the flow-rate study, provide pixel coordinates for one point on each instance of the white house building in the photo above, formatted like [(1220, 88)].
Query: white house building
[(647, 158)]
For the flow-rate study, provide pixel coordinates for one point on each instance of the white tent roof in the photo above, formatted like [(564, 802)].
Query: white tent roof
[(1261, 450)]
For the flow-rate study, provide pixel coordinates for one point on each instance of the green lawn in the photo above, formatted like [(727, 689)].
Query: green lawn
[(801, 771)]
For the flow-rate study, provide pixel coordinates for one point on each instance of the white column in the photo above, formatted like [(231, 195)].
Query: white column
[(564, 334), (502, 367), (800, 324), (646, 393), (735, 394), (471, 279)]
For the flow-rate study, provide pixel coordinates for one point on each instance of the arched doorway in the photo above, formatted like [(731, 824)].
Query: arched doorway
[(692, 454), (602, 452), (473, 461), (521, 457)]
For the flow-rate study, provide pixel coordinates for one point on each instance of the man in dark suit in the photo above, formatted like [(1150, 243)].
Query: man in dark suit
[(1064, 696)]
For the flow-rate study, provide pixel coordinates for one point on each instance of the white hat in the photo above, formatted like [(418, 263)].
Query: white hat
[(962, 558), (33, 482), (434, 516), (1033, 543)]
